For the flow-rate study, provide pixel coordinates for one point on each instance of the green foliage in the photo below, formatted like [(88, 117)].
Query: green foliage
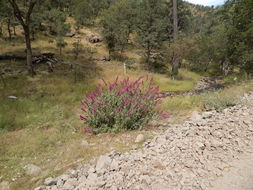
[(82, 13), (55, 19), (6, 17), (117, 23), (241, 35), (60, 43), (152, 25), (77, 48)]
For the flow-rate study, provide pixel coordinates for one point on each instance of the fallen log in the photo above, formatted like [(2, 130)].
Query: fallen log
[(36, 59), (11, 56), (44, 58)]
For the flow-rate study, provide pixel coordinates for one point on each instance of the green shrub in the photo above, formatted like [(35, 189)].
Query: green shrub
[(219, 101)]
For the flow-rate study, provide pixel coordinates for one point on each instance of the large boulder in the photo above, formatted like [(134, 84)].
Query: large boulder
[(92, 38)]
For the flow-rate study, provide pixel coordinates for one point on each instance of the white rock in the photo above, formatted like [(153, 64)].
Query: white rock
[(114, 165), (84, 143), (207, 114), (54, 187), (92, 179), (195, 116), (159, 186), (38, 188), (12, 97), (140, 138), (50, 181), (32, 170), (103, 163), (70, 184)]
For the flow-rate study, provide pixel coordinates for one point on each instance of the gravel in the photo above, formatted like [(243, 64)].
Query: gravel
[(184, 157)]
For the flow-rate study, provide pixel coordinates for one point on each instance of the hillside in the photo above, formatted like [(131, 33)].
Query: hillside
[(75, 46)]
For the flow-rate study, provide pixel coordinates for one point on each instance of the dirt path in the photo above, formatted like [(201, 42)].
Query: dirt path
[(239, 176)]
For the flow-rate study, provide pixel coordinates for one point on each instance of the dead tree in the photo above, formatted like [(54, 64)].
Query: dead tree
[(175, 59)]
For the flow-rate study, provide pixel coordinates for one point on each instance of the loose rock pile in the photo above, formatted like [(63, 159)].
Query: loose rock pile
[(185, 157)]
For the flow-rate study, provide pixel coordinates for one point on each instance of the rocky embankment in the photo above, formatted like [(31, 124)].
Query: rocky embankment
[(190, 156)]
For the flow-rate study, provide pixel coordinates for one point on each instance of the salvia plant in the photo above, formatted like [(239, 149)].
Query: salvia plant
[(121, 105)]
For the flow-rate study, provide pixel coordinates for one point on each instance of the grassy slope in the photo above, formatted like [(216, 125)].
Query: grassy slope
[(42, 126)]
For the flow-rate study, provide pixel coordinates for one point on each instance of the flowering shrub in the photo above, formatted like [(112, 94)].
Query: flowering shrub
[(121, 105)]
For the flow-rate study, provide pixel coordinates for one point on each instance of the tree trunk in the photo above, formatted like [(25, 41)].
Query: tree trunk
[(148, 55), (2, 78), (14, 30), (175, 20), (9, 28), (28, 51), (110, 53), (175, 59), (225, 66), (33, 35), (175, 66), (1, 29), (24, 20)]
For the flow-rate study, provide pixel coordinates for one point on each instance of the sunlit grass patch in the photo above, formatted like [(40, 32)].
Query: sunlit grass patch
[(187, 80), (181, 104)]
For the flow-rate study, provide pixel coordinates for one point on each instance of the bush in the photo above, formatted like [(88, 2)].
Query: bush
[(219, 101), (122, 105)]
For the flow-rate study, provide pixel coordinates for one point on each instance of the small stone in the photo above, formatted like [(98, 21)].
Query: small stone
[(103, 163), (73, 173), (32, 170), (84, 143), (207, 114), (100, 183), (82, 179), (216, 143), (12, 97), (50, 181), (200, 145), (92, 179), (70, 184), (91, 170), (159, 186), (41, 188), (64, 177), (140, 138), (114, 165), (54, 187), (195, 116), (70, 34)]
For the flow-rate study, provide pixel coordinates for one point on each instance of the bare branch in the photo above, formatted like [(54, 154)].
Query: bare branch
[(30, 9), (17, 11)]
